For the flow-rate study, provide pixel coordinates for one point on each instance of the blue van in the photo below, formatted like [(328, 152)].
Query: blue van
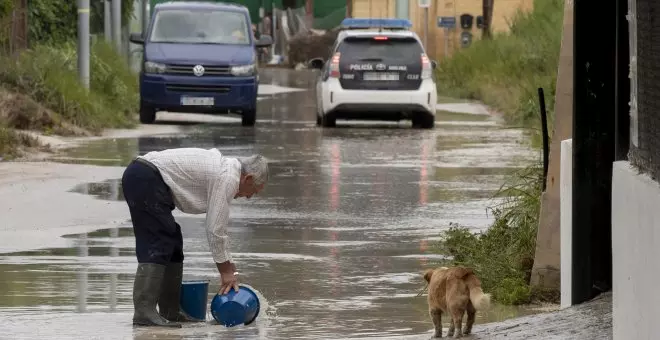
[(199, 57)]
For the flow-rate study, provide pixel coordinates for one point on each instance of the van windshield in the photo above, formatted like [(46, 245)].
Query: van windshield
[(200, 27)]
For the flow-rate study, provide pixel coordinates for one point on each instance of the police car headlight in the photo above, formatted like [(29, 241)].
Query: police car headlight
[(243, 70), (151, 67)]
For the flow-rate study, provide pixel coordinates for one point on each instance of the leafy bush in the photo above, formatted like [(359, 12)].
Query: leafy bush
[(503, 255)]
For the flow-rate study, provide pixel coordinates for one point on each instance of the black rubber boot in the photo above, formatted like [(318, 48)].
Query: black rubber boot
[(146, 290), (168, 303)]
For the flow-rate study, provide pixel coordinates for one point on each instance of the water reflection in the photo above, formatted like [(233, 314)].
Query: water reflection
[(114, 252), (82, 275)]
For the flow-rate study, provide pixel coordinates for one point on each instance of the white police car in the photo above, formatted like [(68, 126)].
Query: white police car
[(378, 70)]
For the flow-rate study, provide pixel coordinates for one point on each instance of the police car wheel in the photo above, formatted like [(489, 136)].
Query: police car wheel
[(423, 120), (329, 120)]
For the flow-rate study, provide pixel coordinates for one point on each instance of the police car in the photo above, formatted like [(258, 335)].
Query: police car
[(378, 70)]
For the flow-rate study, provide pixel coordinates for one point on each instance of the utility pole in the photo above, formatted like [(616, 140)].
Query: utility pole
[(83, 42), (116, 24), (425, 4), (309, 7), (488, 16), (107, 20)]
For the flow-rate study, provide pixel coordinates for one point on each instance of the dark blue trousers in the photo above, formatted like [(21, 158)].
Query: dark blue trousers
[(158, 237)]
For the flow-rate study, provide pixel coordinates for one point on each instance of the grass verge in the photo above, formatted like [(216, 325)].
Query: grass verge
[(505, 73), (41, 91)]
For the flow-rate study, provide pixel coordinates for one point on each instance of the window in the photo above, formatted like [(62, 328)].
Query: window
[(200, 27), (402, 9), (390, 50)]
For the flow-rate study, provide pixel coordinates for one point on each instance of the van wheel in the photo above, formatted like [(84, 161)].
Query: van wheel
[(329, 120), (423, 120), (249, 117), (147, 114)]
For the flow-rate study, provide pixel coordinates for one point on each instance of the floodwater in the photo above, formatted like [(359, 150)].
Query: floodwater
[(335, 244)]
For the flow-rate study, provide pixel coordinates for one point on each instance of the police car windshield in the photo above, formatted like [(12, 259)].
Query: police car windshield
[(391, 49), (200, 27)]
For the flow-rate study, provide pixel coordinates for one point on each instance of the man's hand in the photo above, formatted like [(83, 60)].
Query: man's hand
[(227, 278)]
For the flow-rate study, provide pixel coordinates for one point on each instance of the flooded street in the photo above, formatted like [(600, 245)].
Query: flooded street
[(336, 243)]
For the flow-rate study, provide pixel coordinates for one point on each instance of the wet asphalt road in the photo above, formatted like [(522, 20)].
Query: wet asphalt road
[(336, 243)]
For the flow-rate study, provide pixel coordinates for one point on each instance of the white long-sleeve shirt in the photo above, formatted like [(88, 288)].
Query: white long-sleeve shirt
[(202, 181)]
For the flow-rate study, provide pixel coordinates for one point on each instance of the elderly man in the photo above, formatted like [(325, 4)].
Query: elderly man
[(196, 181)]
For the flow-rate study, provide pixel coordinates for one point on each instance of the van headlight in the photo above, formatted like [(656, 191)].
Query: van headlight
[(243, 70), (151, 67)]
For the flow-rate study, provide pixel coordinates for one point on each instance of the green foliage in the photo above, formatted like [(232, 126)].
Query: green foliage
[(56, 21), (503, 255), (5, 7), (48, 74), (506, 71)]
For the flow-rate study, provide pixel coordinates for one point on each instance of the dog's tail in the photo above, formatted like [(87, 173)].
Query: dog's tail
[(479, 299)]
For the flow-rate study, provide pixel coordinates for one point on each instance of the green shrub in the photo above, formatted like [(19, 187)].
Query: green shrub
[(506, 71), (503, 255), (48, 74)]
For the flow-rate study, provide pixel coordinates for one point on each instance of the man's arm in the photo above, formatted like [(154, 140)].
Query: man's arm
[(217, 217)]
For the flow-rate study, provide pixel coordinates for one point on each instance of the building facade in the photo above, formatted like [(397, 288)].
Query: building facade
[(503, 12)]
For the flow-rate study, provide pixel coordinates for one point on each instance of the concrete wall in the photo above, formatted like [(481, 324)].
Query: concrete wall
[(635, 253), (545, 272)]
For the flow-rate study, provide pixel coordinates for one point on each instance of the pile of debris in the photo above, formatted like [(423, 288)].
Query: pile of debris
[(312, 44)]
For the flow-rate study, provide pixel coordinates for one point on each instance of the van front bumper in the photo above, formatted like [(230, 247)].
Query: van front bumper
[(204, 94)]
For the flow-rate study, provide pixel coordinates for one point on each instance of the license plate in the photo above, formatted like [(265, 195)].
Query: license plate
[(197, 101), (380, 76)]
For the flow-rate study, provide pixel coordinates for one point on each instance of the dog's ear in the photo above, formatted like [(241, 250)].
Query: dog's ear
[(428, 274)]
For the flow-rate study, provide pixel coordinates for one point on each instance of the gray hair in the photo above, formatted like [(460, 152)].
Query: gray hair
[(256, 166)]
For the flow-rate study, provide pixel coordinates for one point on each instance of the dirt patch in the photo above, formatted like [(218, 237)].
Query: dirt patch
[(20, 112), (312, 45), (25, 126)]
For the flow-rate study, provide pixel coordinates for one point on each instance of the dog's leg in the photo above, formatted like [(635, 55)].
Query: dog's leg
[(436, 316), (457, 322), (471, 315), (450, 333)]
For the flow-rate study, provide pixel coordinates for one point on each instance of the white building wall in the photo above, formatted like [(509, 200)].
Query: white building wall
[(635, 254)]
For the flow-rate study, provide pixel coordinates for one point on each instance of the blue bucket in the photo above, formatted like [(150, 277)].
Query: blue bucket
[(235, 308), (194, 295)]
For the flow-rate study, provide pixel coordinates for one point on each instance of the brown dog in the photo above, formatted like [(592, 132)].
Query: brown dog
[(454, 291)]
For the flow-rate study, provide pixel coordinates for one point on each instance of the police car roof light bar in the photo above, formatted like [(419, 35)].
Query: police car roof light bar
[(380, 23)]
